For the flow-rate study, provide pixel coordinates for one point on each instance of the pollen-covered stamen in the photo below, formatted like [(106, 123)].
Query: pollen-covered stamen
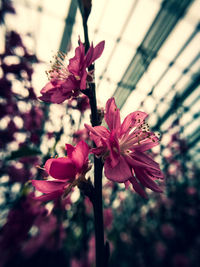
[(39, 167), (144, 127), (137, 136), (59, 68)]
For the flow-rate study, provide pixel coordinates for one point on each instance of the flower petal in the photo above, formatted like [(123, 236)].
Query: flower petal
[(146, 145), (113, 147), (58, 91), (78, 154), (139, 159), (136, 186), (112, 115), (98, 134), (94, 53), (50, 196), (146, 180), (120, 173), (98, 131), (61, 168), (134, 119), (77, 61), (47, 186), (98, 151)]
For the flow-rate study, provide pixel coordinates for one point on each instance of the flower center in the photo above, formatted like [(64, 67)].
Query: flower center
[(136, 136), (59, 68)]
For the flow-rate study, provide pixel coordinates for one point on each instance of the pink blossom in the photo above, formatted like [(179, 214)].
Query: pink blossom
[(123, 146), (161, 249), (168, 231), (81, 134), (66, 81), (65, 171), (108, 218), (181, 260), (81, 103)]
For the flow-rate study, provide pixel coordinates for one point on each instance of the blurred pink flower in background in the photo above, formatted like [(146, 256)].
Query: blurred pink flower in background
[(168, 231), (161, 249), (48, 234), (108, 218), (81, 103), (82, 134), (180, 260)]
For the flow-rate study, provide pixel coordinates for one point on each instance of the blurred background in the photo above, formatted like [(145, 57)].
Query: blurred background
[(151, 62)]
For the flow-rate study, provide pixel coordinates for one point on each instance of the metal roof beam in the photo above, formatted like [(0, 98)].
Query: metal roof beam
[(165, 21), (69, 23)]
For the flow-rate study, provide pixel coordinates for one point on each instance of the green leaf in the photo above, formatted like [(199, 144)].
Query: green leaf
[(23, 152)]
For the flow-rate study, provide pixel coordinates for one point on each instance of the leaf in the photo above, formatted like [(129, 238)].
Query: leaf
[(23, 152)]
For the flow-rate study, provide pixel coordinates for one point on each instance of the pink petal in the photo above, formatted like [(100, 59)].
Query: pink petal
[(155, 174), (69, 84), (146, 180), (113, 147), (48, 87), (50, 196), (83, 84), (98, 131), (98, 134), (89, 56), (98, 50), (61, 168), (56, 91), (139, 159), (47, 186), (94, 53), (78, 154), (98, 151), (146, 145), (58, 96), (134, 119), (76, 62), (120, 173), (112, 115), (137, 187)]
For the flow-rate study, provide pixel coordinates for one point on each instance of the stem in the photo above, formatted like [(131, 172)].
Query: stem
[(98, 166), (97, 202), (98, 213)]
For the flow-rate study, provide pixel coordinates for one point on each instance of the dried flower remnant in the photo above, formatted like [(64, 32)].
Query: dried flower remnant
[(66, 81), (122, 148)]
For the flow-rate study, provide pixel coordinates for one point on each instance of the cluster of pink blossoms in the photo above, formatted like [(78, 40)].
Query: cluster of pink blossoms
[(122, 147), (67, 81)]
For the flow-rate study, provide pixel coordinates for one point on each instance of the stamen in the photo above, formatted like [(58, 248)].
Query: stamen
[(59, 67), (37, 166)]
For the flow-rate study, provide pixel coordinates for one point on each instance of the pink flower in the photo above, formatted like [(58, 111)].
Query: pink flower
[(81, 103), (108, 218), (65, 170), (57, 91), (66, 81), (123, 146), (81, 134)]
